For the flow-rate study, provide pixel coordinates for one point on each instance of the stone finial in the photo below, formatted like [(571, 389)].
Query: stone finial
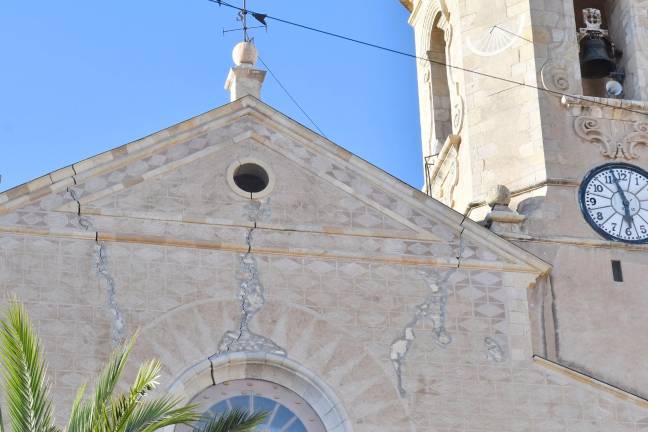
[(502, 218), (243, 78), (499, 195), (245, 54)]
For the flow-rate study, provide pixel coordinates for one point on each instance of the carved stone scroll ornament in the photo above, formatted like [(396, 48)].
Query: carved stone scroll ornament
[(614, 144), (555, 77), (558, 71)]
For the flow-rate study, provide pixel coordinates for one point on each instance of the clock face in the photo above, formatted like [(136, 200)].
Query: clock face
[(614, 200)]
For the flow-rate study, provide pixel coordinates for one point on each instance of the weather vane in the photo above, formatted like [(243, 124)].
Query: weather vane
[(242, 18)]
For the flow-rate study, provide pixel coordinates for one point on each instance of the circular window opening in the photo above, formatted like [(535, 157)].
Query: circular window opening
[(251, 177)]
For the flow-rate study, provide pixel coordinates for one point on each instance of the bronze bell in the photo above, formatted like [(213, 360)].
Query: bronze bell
[(597, 57)]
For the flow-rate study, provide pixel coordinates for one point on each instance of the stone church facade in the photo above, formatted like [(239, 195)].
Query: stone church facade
[(269, 268)]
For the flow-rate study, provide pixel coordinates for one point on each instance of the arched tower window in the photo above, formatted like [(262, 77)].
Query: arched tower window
[(439, 88)]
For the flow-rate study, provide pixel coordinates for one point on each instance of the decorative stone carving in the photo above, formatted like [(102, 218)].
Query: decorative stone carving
[(613, 143), (444, 176), (555, 77), (438, 15), (458, 111), (496, 39), (558, 72)]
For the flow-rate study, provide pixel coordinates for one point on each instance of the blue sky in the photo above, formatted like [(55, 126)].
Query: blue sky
[(82, 77)]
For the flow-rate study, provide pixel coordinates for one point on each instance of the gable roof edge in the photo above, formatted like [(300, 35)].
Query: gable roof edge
[(248, 105)]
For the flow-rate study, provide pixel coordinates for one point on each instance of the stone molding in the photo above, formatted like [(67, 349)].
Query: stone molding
[(229, 177), (438, 13), (613, 144), (203, 135), (516, 264), (277, 369), (602, 104), (445, 174), (618, 132), (590, 381), (407, 4)]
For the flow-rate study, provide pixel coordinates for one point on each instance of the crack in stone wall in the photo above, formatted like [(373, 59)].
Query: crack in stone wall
[(433, 308), (251, 295), (101, 265), (494, 350)]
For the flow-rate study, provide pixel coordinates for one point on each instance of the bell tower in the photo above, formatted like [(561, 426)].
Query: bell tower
[(534, 120)]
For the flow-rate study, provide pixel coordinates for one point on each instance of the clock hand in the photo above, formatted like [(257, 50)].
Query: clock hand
[(624, 200)]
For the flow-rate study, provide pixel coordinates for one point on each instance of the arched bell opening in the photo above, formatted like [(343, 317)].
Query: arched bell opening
[(441, 107), (600, 58)]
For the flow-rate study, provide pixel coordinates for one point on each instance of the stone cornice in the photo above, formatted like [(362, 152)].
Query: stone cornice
[(192, 243), (605, 103), (452, 141), (590, 381), (408, 4), (249, 109), (575, 241)]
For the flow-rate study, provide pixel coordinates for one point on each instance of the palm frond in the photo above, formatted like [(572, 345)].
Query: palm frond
[(147, 378), (158, 413), (1, 421), (111, 373), (124, 405), (81, 415), (94, 413), (234, 421), (24, 371)]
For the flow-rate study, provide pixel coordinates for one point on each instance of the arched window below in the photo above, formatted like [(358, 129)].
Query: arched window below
[(287, 411)]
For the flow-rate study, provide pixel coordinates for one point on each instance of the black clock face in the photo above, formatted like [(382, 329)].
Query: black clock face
[(614, 201)]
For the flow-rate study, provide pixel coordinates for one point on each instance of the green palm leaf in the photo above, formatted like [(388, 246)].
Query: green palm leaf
[(29, 406), (234, 421), (152, 415), (103, 410), (81, 414)]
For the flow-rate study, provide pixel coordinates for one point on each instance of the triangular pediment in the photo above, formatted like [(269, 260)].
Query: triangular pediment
[(179, 176)]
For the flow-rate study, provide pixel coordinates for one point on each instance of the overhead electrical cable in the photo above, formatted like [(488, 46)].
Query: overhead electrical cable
[(263, 17), (291, 97)]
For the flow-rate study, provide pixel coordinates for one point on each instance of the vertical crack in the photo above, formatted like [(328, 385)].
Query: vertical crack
[(554, 315), (433, 308), (251, 293), (494, 350), (101, 264)]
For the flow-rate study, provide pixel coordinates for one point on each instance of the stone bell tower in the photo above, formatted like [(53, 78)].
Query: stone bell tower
[(527, 154)]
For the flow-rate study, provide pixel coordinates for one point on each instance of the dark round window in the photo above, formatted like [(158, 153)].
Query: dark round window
[(251, 177)]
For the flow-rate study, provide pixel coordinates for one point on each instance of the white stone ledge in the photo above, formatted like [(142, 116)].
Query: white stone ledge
[(602, 103), (590, 381), (575, 241)]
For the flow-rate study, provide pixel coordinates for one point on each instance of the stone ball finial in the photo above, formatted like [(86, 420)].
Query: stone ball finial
[(498, 195), (244, 53)]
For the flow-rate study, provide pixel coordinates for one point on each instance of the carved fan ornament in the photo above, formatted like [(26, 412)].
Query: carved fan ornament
[(614, 144)]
